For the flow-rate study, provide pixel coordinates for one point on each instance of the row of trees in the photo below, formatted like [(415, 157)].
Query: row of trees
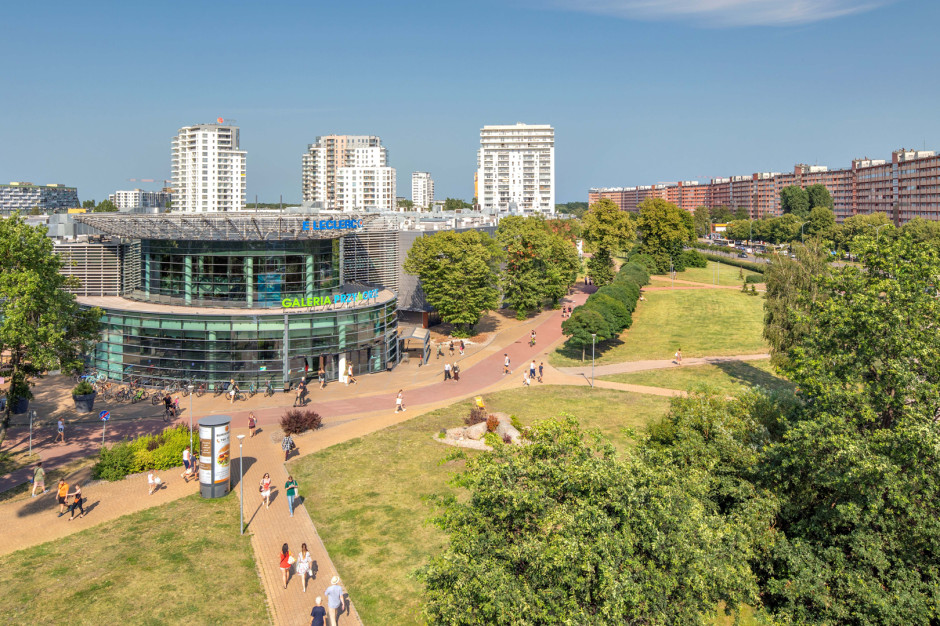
[(105, 206), (463, 274), (816, 508)]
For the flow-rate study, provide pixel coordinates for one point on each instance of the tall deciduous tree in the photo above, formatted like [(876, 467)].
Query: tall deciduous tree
[(563, 530), (702, 220), (821, 222), (606, 227), (41, 325), (600, 267), (664, 230), (105, 206), (818, 195), (795, 200), (458, 273)]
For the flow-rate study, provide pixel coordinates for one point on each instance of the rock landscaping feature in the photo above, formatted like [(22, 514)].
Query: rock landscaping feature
[(474, 436)]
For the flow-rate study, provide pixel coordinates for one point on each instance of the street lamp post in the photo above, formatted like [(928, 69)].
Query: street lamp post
[(801, 231), (241, 483), (593, 339), (191, 389), (878, 230)]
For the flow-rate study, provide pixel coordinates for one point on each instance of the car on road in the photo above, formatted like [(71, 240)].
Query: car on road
[(742, 255)]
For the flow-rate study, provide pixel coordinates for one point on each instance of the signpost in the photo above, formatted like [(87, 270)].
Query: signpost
[(105, 416)]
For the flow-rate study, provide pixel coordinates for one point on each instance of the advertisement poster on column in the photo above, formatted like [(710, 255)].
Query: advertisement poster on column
[(222, 454), (205, 455)]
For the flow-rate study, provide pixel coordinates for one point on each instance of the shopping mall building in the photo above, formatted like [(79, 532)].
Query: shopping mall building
[(251, 297)]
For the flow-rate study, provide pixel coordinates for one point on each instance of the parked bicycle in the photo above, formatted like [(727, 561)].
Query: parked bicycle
[(200, 390), (139, 395), (269, 389), (252, 390)]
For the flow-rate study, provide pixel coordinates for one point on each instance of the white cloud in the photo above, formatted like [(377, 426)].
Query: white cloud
[(725, 12)]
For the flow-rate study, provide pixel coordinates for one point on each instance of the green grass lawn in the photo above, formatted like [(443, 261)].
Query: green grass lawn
[(703, 322), (726, 274), (183, 562), (726, 378), (368, 496)]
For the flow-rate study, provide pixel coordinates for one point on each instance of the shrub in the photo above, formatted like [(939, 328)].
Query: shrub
[(507, 438), (114, 463), (162, 451), (296, 421), (515, 423), (645, 261), (83, 389), (477, 415), (692, 258), (633, 272), (754, 278), (492, 422), (748, 265), (614, 311)]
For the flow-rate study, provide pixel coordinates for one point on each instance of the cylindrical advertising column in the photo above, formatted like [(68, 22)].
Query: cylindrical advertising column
[(215, 456)]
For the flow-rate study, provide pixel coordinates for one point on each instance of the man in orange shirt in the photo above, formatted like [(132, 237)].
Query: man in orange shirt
[(62, 495)]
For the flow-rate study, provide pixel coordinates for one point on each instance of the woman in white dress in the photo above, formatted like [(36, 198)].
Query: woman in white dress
[(265, 489), (304, 565)]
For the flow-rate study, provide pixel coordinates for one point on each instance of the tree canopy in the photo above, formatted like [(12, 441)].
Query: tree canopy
[(455, 204), (819, 196), (41, 325), (795, 200), (105, 206), (608, 228), (458, 273), (664, 230)]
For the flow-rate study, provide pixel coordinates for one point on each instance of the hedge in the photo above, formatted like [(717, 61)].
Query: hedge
[(753, 278), (748, 265), (617, 301)]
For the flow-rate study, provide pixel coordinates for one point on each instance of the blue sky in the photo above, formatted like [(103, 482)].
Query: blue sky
[(638, 92)]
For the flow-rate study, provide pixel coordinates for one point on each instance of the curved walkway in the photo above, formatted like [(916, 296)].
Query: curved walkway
[(642, 366)]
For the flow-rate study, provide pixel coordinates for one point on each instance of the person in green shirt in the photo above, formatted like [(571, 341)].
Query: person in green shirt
[(291, 489), (39, 479)]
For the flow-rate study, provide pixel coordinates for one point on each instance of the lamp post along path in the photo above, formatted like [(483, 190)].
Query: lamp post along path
[(241, 483), (593, 339)]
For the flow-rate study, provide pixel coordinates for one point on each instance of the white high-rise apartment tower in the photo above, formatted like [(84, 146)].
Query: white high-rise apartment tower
[(208, 169), (516, 168), (348, 172), (422, 189)]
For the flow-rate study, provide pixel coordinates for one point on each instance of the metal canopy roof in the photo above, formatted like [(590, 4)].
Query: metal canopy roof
[(232, 226)]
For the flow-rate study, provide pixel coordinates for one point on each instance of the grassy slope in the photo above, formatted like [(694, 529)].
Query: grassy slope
[(726, 378), (703, 322), (180, 562), (368, 496), (727, 275)]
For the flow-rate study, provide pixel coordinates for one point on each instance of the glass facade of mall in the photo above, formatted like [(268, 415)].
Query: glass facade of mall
[(268, 347), (245, 274)]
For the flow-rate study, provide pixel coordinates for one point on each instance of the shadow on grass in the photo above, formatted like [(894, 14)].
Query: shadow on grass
[(600, 348), (745, 373)]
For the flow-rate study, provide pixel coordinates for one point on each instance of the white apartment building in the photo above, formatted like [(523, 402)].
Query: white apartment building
[(422, 190), (208, 169), (365, 187), (138, 198), (323, 160), (516, 168)]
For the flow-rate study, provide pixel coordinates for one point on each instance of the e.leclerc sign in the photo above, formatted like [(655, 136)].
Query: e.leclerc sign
[(338, 298), (309, 225)]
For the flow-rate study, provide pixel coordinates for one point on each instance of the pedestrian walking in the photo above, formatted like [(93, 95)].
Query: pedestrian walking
[(532, 369), (153, 481), (299, 396), (532, 338), (541, 367), (440, 350), (286, 560), (62, 495), (60, 434), (318, 613), (39, 480), (334, 600), (506, 369), (462, 347), (187, 463), (264, 488), (679, 356), (349, 375), (452, 347), (290, 489), (76, 502), (399, 402), (456, 371), (446, 371), (232, 391), (252, 423), (304, 565), (287, 444), (321, 376)]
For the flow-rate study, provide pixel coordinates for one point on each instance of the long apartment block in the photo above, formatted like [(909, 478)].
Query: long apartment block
[(23, 196), (904, 187)]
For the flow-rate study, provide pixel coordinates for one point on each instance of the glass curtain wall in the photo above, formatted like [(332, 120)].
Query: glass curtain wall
[(157, 348), (253, 274)]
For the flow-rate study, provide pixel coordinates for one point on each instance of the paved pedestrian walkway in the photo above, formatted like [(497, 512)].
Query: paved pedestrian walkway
[(642, 366)]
